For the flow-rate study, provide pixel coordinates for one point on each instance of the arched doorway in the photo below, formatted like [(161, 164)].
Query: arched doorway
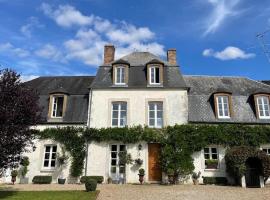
[(253, 172)]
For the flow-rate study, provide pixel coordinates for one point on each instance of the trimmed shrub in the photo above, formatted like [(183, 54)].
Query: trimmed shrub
[(90, 185), (215, 180), (42, 179), (99, 179)]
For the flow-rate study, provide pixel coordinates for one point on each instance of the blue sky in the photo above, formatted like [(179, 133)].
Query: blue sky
[(212, 37)]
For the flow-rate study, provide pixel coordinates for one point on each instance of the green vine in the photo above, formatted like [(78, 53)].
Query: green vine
[(178, 139)]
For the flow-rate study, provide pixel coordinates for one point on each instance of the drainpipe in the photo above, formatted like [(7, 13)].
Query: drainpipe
[(88, 125)]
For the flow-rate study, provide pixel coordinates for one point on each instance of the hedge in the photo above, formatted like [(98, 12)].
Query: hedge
[(215, 180), (99, 179), (42, 179)]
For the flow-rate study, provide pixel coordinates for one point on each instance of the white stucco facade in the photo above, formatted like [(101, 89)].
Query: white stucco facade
[(175, 105)]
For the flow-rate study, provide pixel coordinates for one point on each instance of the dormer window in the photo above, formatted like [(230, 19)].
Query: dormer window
[(57, 106), (262, 106), (57, 109), (223, 105), (154, 75), (120, 75)]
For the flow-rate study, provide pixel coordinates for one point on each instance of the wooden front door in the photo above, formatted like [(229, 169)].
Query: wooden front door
[(154, 169)]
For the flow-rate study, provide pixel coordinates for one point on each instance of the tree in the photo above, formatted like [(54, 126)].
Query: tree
[(19, 110)]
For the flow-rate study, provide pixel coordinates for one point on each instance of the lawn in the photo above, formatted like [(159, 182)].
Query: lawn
[(47, 195)]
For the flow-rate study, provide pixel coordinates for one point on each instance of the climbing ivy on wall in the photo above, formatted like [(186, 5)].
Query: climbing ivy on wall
[(185, 138)]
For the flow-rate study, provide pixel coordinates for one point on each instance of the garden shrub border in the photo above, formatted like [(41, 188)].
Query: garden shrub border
[(189, 138)]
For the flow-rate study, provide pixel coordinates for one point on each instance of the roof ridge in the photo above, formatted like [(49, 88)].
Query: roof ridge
[(215, 76), (257, 81)]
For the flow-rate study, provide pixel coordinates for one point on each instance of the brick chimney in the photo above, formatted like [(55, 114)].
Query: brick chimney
[(171, 56), (108, 53)]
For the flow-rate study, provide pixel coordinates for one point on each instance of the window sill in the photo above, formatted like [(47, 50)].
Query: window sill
[(155, 85), (48, 170), (211, 170), (120, 85)]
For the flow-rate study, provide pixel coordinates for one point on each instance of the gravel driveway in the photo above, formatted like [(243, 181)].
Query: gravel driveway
[(181, 192), (158, 192)]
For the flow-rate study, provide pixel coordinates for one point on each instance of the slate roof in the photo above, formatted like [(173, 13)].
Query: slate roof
[(200, 97), (138, 73), (266, 82), (77, 89)]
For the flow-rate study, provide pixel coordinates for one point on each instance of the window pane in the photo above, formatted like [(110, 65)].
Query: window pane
[(122, 147), (123, 75), (114, 148), (46, 163), (121, 169), (48, 148), (53, 155), (157, 74), (54, 148), (152, 71), (113, 162), (159, 122), (113, 154), (123, 114), (214, 156), (115, 114), (59, 111), (151, 106), (113, 169), (206, 156), (53, 163), (151, 122), (122, 122), (206, 150), (115, 122), (115, 106), (47, 155), (214, 150), (123, 106), (151, 114), (160, 114), (159, 106)]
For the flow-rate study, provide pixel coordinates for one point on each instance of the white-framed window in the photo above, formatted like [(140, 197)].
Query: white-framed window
[(211, 157), (266, 150), (119, 114), (223, 106), (120, 75), (116, 170), (263, 107), (57, 106), (155, 114), (154, 75), (49, 161)]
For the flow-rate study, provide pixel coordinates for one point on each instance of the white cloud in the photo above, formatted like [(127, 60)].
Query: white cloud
[(8, 48), (25, 78), (49, 51), (66, 15), (222, 10), (94, 32), (28, 28), (229, 53)]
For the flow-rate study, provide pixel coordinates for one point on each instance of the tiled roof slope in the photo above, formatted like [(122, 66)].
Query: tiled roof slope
[(77, 89), (201, 107)]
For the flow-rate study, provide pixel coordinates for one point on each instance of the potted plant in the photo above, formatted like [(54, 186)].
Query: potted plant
[(141, 175), (14, 174), (24, 169), (195, 177), (138, 161), (211, 164), (170, 173), (61, 160)]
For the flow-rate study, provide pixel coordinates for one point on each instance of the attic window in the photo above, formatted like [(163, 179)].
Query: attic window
[(222, 105), (262, 106), (154, 75), (120, 75), (57, 106)]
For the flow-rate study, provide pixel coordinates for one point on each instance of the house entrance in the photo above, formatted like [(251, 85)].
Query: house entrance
[(253, 172)]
